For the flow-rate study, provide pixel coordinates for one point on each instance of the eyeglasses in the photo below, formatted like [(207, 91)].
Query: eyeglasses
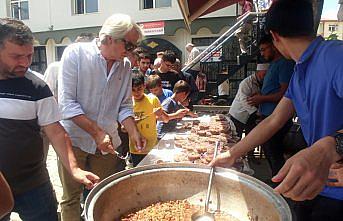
[(169, 65), (129, 46)]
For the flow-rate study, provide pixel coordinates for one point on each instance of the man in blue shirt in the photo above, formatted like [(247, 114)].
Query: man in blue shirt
[(275, 84), (316, 94)]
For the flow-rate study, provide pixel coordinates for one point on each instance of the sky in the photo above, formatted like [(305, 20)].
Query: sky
[(330, 9)]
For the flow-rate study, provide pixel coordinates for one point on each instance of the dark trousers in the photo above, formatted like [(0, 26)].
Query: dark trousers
[(137, 158), (274, 148), (37, 204), (319, 209), (246, 128)]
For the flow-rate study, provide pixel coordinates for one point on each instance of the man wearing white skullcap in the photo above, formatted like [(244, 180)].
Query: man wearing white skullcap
[(242, 114)]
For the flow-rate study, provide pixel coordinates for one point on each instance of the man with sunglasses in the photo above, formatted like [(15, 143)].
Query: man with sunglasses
[(95, 93)]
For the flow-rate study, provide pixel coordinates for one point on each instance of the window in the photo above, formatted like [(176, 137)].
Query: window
[(333, 28), (146, 4), (39, 59), (20, 9), (59, 52), (85, 6)]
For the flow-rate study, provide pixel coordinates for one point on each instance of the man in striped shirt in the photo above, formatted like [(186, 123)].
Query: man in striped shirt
[(26, 106)]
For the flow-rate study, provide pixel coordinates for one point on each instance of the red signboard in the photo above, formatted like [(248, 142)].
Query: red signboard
[(152, 28)]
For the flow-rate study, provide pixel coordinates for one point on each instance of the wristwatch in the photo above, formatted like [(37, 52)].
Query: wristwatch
[(339, 144)]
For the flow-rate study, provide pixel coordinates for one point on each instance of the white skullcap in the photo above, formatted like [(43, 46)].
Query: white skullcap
[(157, 61), (189, 45), (262, 67)]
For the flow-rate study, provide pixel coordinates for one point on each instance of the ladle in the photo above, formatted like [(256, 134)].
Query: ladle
[(205, 215)]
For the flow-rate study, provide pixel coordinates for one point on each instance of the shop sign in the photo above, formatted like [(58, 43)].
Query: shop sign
[(152, 28)]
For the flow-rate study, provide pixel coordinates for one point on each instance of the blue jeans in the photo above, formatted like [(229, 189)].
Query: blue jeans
[(38, 204)]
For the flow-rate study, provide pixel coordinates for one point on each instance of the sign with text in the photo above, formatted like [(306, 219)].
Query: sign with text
[(152, 28)]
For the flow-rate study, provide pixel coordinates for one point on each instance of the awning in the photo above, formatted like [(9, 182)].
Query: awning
[(193, 9)]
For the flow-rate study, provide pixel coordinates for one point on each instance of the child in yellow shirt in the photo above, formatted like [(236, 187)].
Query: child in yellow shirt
[(146, 109)]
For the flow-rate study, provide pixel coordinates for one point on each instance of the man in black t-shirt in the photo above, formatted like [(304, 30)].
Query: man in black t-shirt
[(167, 75), (27, 105)]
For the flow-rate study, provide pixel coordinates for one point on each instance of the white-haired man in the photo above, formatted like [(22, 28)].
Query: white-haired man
[(193, 53), (95, 93)]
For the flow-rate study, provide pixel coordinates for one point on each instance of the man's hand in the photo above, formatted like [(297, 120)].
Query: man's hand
[(131, 127), (63, 147), (104, 143), (87, 178), (304, 175), (158, 111), (336, 173), (140, 141), (223, 160), (102, 140), (255, 100), (181, 113), (191, 114)]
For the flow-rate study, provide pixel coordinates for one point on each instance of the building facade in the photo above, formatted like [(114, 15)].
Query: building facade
[(331, 27), (57, 23)]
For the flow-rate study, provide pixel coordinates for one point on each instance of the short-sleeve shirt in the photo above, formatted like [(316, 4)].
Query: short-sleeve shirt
[(147, 126), (316, 91), (240, 109), (168, 79), (165, 93), (26, 104), (279, 71), (170, 106)]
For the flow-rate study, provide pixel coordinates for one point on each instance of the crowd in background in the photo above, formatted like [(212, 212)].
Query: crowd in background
[(108, 97)]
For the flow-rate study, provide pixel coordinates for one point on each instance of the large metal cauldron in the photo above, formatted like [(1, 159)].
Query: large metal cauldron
[(238, 194)]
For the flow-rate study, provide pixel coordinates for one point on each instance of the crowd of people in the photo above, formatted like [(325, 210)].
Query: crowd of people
[(107, 93), (314, 94), (82, 114)]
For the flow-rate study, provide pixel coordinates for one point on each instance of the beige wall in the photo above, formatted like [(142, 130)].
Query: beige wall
[(324, 25), (45, 13)]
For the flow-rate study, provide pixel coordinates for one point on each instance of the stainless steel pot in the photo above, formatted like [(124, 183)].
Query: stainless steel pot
[(240, 195)]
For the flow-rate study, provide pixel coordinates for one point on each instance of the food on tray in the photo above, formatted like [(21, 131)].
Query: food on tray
[(201, 132), (179, 143), (181, 157), (177, 137), (198, 146), (193, 156), (204, 126), (201, 149), (196, 122), (159, 161), (214, 131), (177, 210)]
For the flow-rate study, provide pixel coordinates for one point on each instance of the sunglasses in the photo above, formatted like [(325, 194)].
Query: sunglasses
[(129, 46)]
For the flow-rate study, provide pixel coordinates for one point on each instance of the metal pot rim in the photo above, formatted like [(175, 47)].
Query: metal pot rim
[(262, 188)]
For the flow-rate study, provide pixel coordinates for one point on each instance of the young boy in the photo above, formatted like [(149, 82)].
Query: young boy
[(174, 108), (154, 85), (146, 110), (144, 62)]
